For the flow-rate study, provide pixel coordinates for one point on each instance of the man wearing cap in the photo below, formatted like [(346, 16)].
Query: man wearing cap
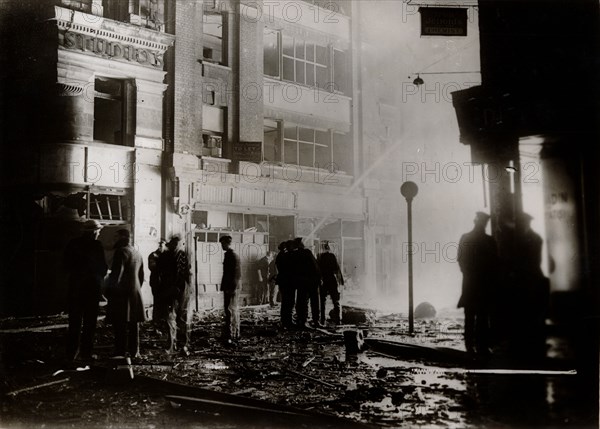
[(230, 285), (84, 260), (124, 293), (478, 260)]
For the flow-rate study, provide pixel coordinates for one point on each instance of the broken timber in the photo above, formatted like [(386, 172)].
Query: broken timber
[(412, 351)]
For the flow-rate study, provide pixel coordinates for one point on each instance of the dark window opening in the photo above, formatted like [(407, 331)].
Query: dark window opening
[(213, 49), (113, 111), (271, 52)]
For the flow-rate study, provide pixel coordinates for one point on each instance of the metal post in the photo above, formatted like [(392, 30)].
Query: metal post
[(411, 322), (409, 190)]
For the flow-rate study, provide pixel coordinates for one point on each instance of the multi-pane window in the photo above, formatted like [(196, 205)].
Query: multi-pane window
[(305, 63), (306, 146), (293, 144)]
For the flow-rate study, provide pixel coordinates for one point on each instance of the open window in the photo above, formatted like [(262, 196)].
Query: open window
[(213, 46), (271, 52), (114, 111), (272, 140)]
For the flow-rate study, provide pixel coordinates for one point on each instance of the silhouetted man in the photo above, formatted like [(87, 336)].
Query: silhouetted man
[(330, 272), (230, 285), (84, 260), (478, 261), (124, 293), (176, 295), (285, 283), (531, 293), (308, 279), (155, 262)]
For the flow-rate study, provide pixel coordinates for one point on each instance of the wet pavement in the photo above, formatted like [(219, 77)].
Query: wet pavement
[(307, 370)]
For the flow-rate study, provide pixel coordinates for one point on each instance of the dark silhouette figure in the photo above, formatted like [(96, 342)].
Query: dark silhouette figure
[(308, 279), (84, 260), (478, 261), (230, 285), (175, 294), (155, 264), (285, 282), (330, 271), (531, 293), (124, 293), (262, 274)]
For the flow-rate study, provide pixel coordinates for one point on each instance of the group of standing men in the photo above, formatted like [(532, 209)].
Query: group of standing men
[(84, 260), (302, 278), (503, 298)]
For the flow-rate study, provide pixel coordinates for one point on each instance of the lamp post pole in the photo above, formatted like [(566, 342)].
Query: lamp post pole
[(409, 190)]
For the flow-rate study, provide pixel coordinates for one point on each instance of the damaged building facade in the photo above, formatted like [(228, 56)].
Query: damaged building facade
[(265, 121), (82, 134)]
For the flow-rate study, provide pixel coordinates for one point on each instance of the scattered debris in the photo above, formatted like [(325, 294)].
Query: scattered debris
[(354, 341)]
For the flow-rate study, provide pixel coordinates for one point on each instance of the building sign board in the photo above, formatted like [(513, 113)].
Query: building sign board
[(443, 21), (247, 151)]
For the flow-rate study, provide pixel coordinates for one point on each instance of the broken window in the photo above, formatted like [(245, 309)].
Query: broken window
[(213, 38), (109, 207), (82, 5), (341, 72), (114, 111), (148, 13), (272, 141), (271, 52), (342, 153), (212, 145), (116, 9)]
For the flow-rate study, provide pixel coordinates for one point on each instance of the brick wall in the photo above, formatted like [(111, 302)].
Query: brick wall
[(187, 120)]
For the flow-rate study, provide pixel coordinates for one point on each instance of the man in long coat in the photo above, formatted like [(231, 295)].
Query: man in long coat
[(230, 286), (125, 305), (308, 278), (155, 265), (331, 272), (84, 260), (478, 261), (177, 294)]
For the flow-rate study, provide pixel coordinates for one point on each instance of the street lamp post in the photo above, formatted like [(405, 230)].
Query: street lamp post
[(409, 190)]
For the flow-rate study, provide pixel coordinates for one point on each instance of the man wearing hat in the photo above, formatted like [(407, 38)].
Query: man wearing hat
[(478, 260), (230, 285), (85, 262)]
